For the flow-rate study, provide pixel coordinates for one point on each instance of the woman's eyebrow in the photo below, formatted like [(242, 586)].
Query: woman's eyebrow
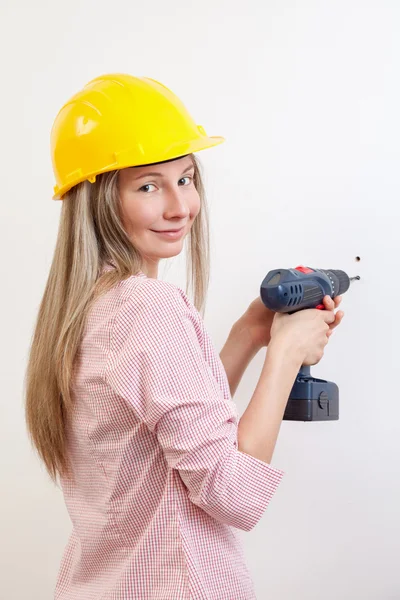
[(154, 174)]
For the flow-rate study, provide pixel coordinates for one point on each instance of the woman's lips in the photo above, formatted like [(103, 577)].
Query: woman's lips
[(170, 234)]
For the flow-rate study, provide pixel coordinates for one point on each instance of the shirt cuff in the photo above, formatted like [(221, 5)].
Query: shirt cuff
[(256, 482)]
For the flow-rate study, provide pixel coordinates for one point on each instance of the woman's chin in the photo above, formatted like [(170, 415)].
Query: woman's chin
[(165, 250)]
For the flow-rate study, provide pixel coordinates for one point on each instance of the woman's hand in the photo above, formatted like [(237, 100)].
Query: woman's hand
[(258, 320), (331, 305)]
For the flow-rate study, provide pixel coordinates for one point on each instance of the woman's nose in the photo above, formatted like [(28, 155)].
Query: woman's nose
[(177, 203)]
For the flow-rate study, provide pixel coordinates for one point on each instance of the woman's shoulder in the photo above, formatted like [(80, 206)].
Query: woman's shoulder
[(155, 302), (148, 291), (160, 294), (154, 309)]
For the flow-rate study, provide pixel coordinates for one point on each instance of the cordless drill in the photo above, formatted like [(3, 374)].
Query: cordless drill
[(290, 290)]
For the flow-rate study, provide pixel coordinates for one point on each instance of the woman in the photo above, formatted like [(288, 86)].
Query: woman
[(127, 400)]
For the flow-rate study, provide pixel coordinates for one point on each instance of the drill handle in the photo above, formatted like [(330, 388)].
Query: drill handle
[(305, 371)]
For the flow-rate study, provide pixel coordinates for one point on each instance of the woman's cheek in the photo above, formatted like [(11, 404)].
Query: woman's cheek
[(195, 207)]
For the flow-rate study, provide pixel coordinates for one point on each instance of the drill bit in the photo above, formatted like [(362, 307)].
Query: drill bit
[(353, 278)]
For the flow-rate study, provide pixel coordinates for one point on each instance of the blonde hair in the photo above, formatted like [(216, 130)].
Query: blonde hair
[(90, 233)]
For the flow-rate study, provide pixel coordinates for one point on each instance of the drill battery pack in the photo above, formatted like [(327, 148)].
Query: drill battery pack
[(312, 399)]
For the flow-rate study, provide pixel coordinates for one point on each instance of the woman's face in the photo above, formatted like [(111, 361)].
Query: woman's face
[(158, 198)]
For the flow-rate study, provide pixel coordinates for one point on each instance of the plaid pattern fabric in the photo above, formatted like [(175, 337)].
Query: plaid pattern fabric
[(159, 487)]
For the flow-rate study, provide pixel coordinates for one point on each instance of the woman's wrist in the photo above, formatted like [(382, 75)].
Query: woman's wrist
[(244, 333), (281, 346)]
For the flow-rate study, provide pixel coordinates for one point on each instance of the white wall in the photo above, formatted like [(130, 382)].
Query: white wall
[(307, 96)]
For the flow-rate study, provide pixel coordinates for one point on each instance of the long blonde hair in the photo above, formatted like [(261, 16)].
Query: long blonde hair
[(90, 233)]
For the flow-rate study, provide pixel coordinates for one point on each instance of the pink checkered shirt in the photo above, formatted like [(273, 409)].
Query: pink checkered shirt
[(160, 488)]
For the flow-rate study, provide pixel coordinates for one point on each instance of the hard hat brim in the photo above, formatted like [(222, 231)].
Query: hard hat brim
[(124, 161)]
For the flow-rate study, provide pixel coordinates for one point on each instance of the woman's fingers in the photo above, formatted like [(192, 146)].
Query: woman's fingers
[(331, 305), (328, 303), (338, 319), (337, 300)]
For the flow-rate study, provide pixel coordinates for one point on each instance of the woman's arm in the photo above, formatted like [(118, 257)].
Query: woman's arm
[(237, 353)]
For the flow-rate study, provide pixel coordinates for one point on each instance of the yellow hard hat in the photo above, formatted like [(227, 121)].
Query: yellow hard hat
[(119, 121)]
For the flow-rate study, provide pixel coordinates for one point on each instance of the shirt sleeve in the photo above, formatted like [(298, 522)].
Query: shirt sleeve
[(157, 350)]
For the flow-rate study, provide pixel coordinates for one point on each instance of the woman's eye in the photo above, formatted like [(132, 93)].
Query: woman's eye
[(152, 184), (145, 186), (186, 178)]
